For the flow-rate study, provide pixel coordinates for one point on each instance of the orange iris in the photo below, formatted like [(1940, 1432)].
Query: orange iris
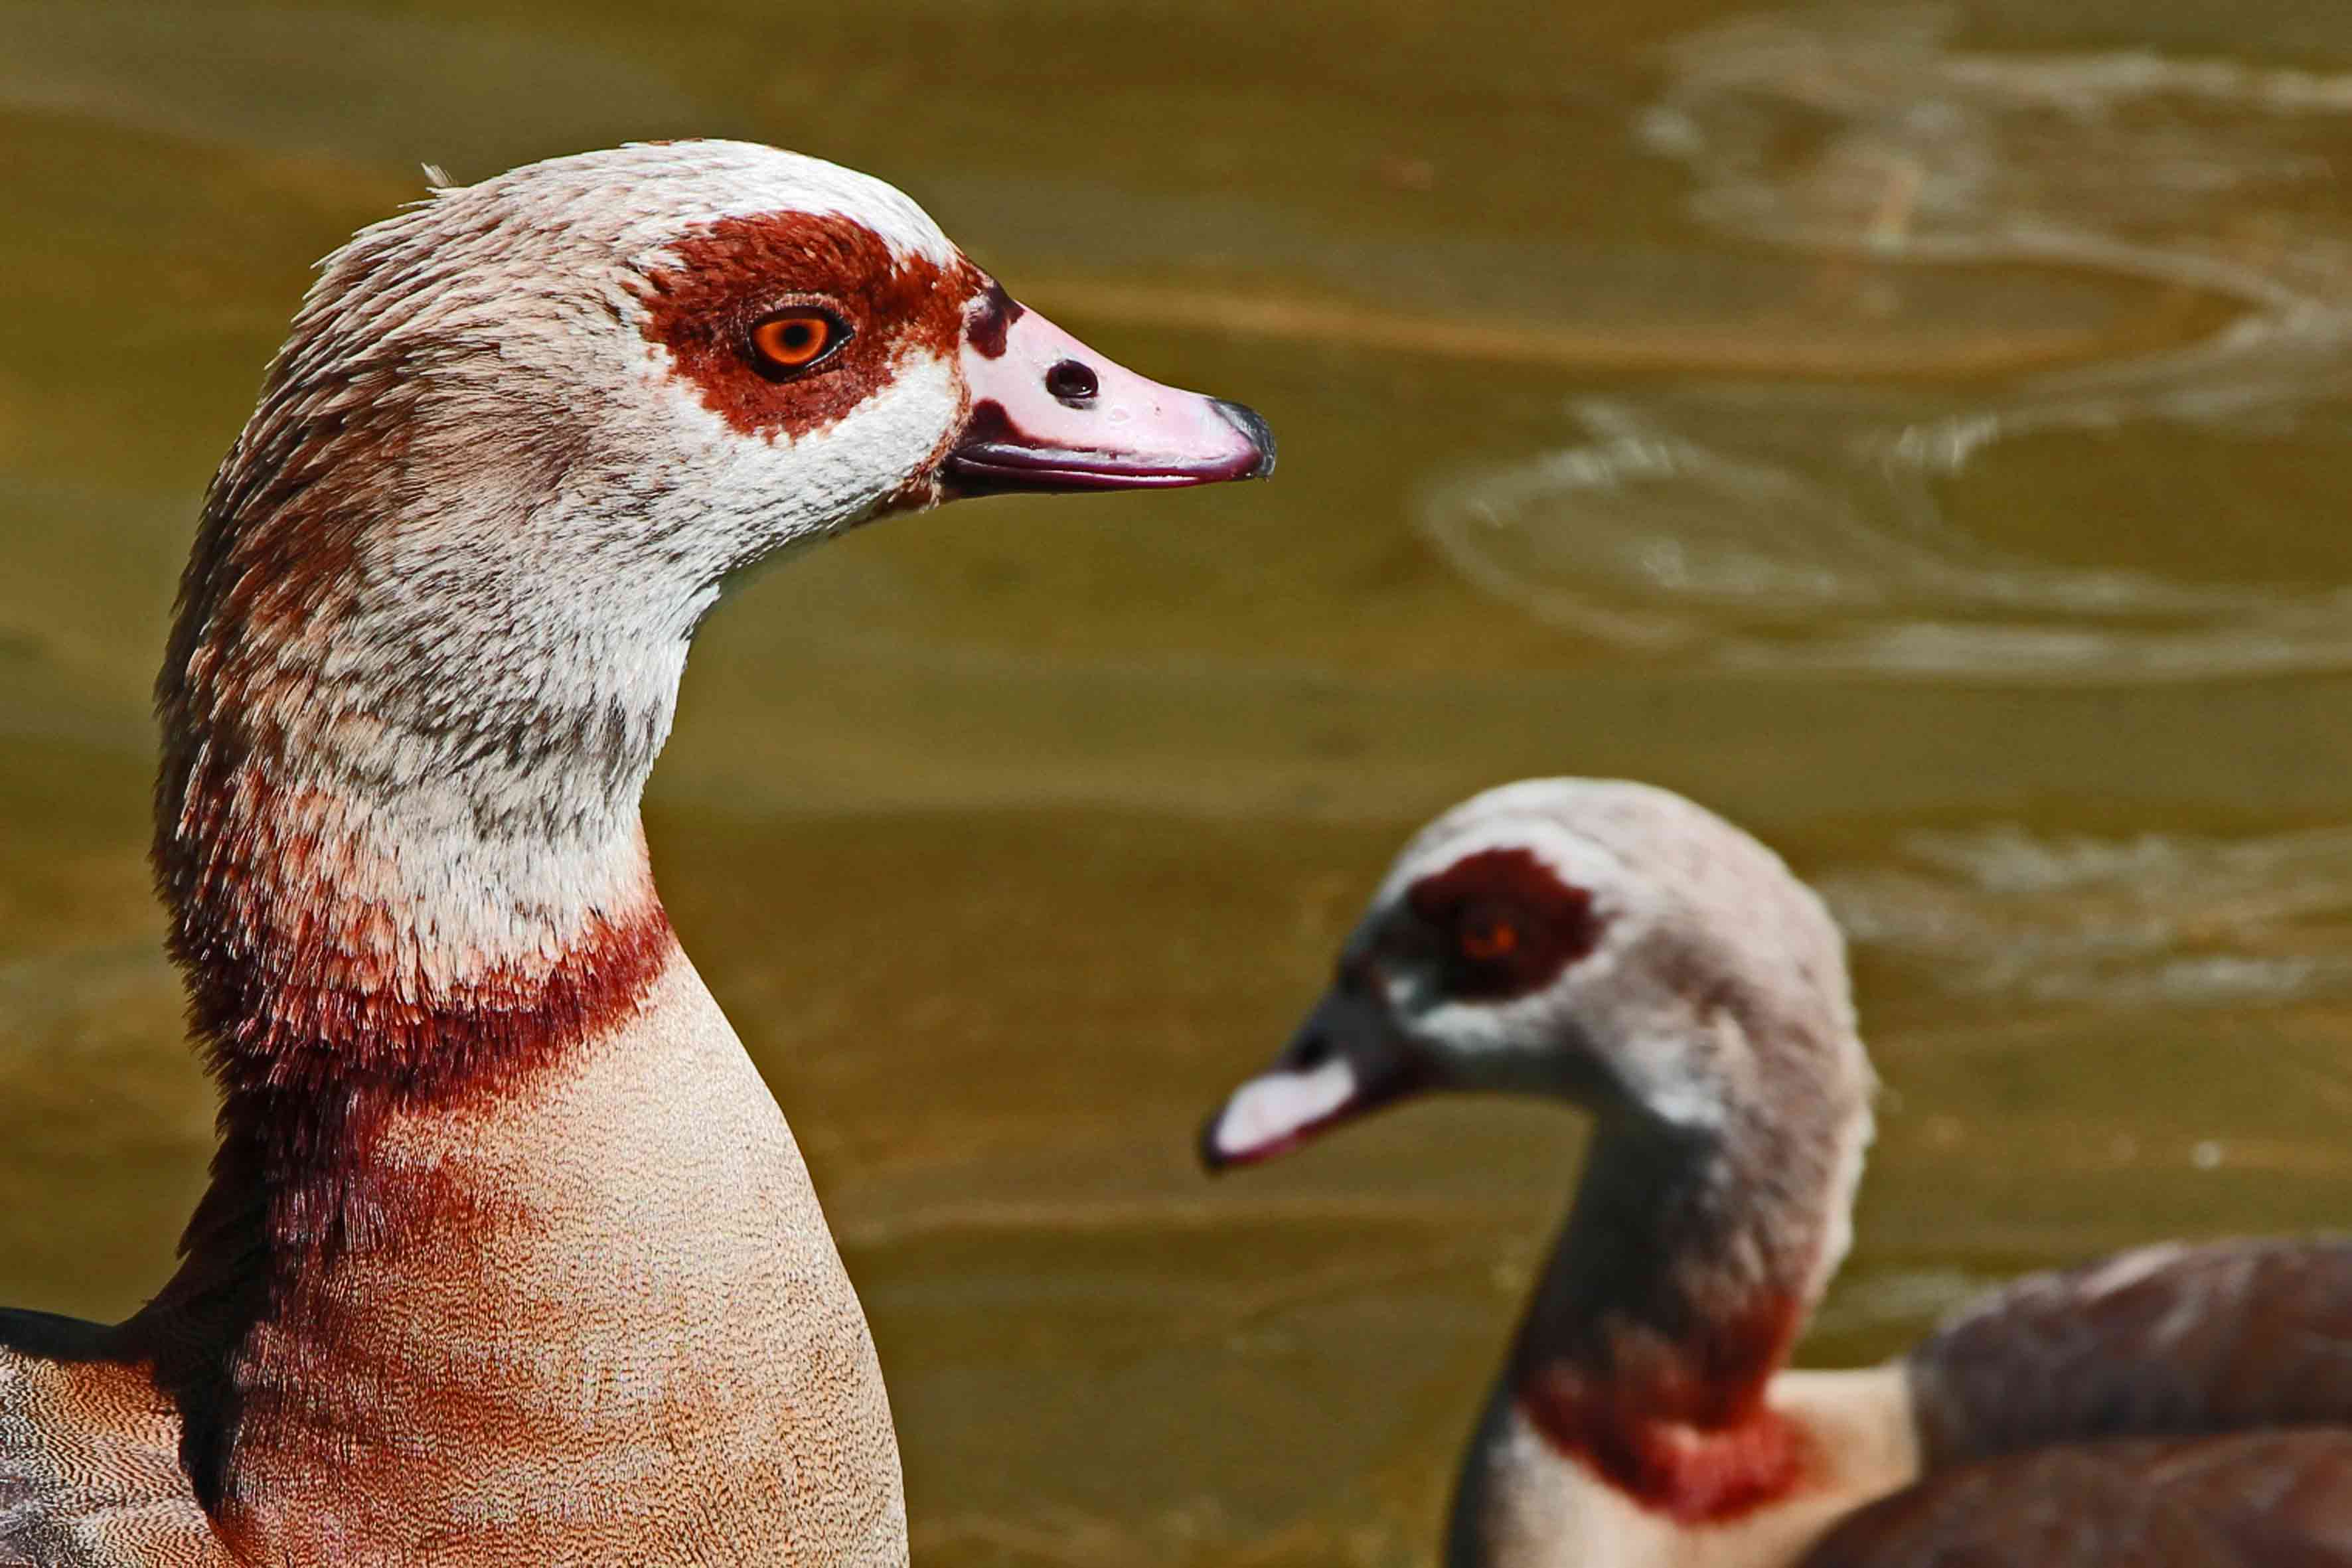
[(794, 341), (1488, 939)]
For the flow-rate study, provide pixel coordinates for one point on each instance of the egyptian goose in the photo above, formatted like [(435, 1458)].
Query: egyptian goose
[(1616, 946), (508, 1257)]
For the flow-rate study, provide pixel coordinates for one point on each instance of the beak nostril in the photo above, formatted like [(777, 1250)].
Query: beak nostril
[(1072, 381)]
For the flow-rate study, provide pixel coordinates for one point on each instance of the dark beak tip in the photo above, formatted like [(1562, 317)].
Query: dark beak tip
[(1252, 427), (1206, 1146)]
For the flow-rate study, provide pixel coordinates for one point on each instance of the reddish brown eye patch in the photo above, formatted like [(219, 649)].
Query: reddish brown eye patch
[(713, 288), (791, 341), (1506, 924)]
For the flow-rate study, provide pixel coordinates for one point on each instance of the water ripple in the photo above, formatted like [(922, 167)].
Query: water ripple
[(2155, 919), (1810, 527)]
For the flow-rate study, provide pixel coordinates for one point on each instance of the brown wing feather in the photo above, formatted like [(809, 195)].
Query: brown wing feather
[(89, 1457), (2173, 1341), (2172, 1408), (2259, 1500)]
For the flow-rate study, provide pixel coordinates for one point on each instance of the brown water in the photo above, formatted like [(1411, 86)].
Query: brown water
[(1920, 434)]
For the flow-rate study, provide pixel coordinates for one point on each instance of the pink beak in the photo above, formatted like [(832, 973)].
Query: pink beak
[(1050, 414)]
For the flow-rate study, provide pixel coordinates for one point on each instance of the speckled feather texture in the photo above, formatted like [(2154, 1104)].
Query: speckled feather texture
[(724, 1406), (491, 1399), (89, 1457)]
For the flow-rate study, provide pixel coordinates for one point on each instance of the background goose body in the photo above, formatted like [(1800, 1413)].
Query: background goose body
[(508, 1257), (1619, 947)]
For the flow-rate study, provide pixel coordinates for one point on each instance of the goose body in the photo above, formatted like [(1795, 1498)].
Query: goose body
[(508, 1257), (1618, 947)]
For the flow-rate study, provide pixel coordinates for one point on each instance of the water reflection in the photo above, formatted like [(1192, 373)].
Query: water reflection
[(2008, 914), (1805, 526)]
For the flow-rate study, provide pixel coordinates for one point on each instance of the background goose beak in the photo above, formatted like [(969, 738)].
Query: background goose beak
[(1050, 414), (1347, 1059)]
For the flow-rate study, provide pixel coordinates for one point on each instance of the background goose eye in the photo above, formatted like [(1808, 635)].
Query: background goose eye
[(794, 341), (1486, 936)]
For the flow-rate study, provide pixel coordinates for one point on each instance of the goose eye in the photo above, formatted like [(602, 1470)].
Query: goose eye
[(792, 341), (1487, 937)]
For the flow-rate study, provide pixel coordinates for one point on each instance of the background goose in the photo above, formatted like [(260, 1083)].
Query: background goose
[(1619, 947), (508, 1257)]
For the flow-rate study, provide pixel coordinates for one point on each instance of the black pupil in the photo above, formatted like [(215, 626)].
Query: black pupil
[(799, 336)]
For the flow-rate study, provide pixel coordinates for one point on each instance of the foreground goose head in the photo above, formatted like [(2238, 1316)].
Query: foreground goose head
[(520, 438), (1617, 947), (508, 1257)]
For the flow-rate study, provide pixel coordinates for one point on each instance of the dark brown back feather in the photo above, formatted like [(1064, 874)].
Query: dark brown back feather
[(2171, 1407), (2255, 1500), (2164, 1342)]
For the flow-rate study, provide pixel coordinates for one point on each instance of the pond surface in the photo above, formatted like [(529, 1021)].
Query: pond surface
[(1924, 435)]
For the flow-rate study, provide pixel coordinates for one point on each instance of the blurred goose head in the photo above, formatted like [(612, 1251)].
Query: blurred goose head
[(1603, 943)]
